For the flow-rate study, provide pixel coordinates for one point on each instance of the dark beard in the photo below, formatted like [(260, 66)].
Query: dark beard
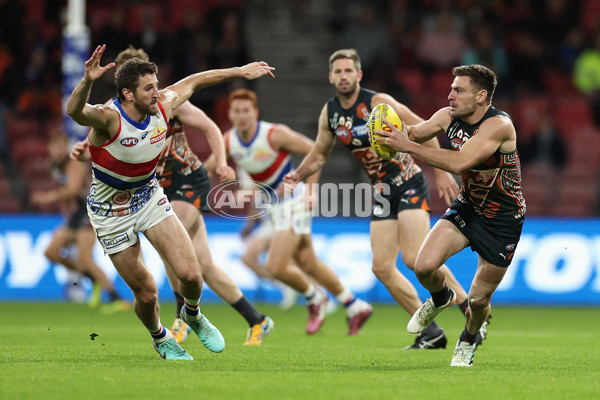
[(144, 108), (348, 91)]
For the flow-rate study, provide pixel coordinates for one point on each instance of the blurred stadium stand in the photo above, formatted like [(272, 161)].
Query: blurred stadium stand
[(298, 44)]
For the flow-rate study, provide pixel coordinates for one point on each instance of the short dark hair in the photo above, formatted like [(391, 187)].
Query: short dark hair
[(128, 75), (352, 54), (482, 78)]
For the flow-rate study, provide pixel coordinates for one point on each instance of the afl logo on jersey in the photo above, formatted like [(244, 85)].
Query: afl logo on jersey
[(456, 143), (344, 135), (129, 141)]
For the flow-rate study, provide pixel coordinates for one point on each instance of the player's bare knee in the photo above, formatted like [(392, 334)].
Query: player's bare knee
[(87, 262), (480, 294), (381, 270), (309, 268), (409, 260), (190, 276), (146, 297), (423, 270), (275, 269), (52, 255), (480, 304), (207, 266), (307, 262), (248, 259)]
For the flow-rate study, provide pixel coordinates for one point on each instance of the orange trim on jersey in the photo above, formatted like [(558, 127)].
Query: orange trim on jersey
[(227, 135)]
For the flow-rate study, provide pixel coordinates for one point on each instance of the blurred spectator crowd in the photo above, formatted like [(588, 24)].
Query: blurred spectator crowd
[(181, 36), (546, 54)]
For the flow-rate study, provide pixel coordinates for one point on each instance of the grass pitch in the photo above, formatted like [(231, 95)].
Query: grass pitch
[(46, 352)]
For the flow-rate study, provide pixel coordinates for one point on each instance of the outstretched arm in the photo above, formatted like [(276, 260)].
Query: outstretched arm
[(176, 94), (77, 106), (318, 154), (192, 116)]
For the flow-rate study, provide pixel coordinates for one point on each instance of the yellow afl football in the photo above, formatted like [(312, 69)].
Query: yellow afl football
[(375, 123)]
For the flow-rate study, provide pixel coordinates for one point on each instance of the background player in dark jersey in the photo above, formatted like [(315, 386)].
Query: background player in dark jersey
[(489, 211), (71, 197), (403, 226)]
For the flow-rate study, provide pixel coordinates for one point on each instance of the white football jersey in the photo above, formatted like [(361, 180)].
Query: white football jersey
[(258, 157), (124, 168)]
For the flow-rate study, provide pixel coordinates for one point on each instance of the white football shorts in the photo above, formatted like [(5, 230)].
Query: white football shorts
[(116, 233), (292, 213)]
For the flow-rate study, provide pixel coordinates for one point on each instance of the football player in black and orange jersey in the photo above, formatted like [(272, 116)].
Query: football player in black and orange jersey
[(488, 213), (401, 224)]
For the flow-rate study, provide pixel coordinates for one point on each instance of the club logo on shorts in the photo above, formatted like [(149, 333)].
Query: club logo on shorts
[(449, 211), (115, 241), (121, 198), (511, 246)]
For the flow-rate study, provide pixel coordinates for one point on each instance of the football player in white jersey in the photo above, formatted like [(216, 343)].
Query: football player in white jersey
[(263, 150), (186, 183), (125, 141)]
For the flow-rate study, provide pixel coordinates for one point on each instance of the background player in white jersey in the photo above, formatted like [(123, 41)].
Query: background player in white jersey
[(257, 234), (126, 140), (403, 227), (263, 150)]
